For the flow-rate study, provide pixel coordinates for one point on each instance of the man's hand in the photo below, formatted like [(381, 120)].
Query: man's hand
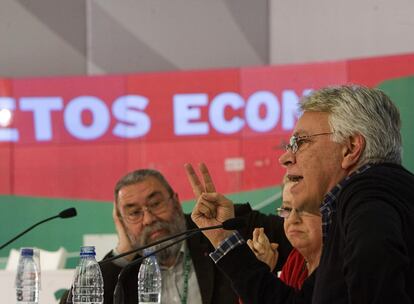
[(124, 243), (211, 208), (263, 249)]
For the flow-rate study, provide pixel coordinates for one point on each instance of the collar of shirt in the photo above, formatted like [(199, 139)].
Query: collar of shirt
[(179, 283), (328, 207)]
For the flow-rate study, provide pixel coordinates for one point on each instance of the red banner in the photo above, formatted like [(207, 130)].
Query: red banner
[(73, 137)]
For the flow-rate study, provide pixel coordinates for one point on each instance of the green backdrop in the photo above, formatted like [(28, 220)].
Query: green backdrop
[(18, 213)]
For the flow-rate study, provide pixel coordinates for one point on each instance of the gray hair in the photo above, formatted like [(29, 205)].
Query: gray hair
[(356, 109), (138, 176)]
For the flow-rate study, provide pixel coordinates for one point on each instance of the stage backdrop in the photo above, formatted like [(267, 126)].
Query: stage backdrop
[(71, 138)]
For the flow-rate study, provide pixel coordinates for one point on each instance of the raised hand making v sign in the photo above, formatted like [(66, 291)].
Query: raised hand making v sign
[(212, 208)]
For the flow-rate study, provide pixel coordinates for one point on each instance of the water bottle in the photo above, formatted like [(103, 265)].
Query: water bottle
[(88, 281), (27, 279), (149, 280)]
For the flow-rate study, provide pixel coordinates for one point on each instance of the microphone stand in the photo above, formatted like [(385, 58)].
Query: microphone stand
[(71, 212), (187, 233), (27, 230), (119, 297)]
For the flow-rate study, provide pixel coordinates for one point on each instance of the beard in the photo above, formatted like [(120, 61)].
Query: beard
[(175, 225)]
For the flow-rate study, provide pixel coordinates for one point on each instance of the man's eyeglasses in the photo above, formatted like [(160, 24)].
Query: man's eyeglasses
[(296, 141), (156, 207), (284, 212)]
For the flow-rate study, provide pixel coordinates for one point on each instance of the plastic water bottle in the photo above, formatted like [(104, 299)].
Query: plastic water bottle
[(88, 282), (27, 279), (149, 280)]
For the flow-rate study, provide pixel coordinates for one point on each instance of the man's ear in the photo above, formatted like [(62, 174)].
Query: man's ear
[(352, 151)]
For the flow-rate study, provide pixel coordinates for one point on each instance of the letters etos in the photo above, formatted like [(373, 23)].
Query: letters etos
[(260, 112)]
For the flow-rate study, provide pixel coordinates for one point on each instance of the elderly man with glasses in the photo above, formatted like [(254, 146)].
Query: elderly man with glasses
[(147, 209), (344, 159)]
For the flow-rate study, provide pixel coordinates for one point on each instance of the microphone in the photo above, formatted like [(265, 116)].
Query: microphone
[(119, 297), (67, 213), (230, 224)]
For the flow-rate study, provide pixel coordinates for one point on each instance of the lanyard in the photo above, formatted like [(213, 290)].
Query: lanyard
[(186, 270)]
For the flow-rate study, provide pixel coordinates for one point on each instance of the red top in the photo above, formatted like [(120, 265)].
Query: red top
[(294, 272)]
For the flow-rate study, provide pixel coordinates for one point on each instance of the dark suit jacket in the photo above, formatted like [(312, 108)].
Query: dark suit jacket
[(215, 288), (367, 256)]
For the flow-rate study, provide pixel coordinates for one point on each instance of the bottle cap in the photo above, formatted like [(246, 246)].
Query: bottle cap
[(87, 251), (149, 251), (26, 251)]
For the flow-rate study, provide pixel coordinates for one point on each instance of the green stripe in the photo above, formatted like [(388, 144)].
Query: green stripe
[(18, 213)]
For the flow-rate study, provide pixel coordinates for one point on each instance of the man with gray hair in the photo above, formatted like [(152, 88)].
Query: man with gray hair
[(345, 154)]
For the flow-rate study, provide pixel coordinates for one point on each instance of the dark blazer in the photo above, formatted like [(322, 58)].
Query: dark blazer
[(367, 257), (215, 288)]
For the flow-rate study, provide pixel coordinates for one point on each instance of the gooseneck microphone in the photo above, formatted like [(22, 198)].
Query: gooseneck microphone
[(67, 213), (119, 297), (230, 224)]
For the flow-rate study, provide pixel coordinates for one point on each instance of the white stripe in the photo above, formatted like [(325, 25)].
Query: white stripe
[(267, 201)]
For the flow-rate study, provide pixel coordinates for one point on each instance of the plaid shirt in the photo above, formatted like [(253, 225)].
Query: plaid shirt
[(328, 207), (226, 245)]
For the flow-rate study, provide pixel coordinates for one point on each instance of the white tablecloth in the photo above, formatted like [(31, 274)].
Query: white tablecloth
[(51, 281)]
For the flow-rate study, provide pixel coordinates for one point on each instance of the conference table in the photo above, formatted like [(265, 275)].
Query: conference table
[(52, 284)]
